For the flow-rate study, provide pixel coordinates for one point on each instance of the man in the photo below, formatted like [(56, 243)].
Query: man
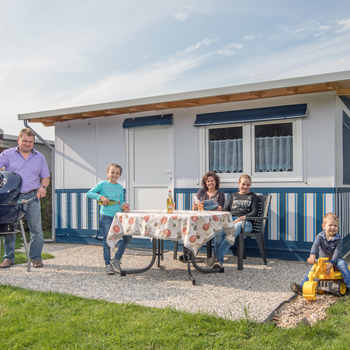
[(31, 165)]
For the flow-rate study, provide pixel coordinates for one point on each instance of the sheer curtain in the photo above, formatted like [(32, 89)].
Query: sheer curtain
[(274, 153), (271, 154), (226, 156)]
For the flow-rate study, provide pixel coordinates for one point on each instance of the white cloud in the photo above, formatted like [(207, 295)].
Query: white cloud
[(205, 42), (345, 24), (208, 42), (156, 79), (230, 49), (226, 52), (189, 8), (181, 16), (234, 46), (324, 27)]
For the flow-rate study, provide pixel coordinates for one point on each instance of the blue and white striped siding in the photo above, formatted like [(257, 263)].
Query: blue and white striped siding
[(75, 211), (344, 213), (294, 217), (180, 201)]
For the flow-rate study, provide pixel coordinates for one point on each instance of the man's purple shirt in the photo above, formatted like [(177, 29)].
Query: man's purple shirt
[(32, 169)]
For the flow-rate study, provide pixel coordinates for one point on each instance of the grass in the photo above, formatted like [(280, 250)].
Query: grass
[(47, 320), (21, 257)]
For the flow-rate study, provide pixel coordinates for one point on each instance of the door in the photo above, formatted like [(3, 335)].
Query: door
[(151, 158)]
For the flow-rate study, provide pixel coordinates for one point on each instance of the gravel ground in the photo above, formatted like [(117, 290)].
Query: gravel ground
[(79, 270), (299, 310)]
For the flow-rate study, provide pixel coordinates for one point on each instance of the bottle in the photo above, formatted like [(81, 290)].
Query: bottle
[(169, 203), (111, 202)]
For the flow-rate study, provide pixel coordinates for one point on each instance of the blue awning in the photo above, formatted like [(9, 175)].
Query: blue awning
[(346, 101), (165, 119), (252, 115)]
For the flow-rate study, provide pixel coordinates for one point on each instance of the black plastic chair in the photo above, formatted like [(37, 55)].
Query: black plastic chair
[(259, 224)]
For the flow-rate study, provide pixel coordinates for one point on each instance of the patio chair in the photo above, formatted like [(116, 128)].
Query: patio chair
[(259, 225)]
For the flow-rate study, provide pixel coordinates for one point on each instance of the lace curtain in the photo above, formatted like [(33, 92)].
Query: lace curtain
[(225, 156), (271, 154), (274, 153)]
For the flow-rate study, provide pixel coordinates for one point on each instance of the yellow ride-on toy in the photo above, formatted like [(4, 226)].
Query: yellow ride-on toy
[(320, 282)]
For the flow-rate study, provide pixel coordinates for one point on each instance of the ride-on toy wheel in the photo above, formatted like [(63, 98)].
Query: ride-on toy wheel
[(310, 290), (340, 288)]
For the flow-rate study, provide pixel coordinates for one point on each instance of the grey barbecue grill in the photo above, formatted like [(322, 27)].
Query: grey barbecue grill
[(12, 208)]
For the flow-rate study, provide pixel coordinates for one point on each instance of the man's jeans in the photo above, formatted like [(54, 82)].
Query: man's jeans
[(33, 217), (222, 246), (342, 266), (105, 223)]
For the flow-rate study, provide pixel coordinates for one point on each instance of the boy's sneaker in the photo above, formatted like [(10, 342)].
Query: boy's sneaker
[(109, 270), (296, 288), (115, 263), (213, 262)]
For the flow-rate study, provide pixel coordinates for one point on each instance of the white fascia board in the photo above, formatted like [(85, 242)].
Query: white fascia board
[(274, 84)]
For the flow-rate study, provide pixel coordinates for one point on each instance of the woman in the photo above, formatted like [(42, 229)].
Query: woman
[(210, 184), (242, 204)]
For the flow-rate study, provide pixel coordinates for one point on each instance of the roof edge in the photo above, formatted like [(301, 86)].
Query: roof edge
[(273, 84)]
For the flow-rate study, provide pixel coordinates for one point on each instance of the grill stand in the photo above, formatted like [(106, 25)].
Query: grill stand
[(24, 240)]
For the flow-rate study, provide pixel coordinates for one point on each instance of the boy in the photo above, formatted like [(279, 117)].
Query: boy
[(329, 245)]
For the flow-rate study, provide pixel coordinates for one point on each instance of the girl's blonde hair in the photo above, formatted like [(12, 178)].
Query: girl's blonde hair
[(244, 176), (114, 165)]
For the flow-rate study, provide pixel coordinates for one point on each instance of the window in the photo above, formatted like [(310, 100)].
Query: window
[(226, 150), (269, 150), (274, 147)]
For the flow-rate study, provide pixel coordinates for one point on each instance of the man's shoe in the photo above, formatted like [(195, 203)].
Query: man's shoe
[(115, 263), (109, 270), (6, 263), (213, 262), (38, 263), (296, 288)]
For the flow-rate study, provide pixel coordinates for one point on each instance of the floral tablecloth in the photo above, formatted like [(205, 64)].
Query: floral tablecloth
[(193, 228)]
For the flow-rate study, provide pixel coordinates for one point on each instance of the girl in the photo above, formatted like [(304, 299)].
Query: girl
[(241, 204), (106, 191)]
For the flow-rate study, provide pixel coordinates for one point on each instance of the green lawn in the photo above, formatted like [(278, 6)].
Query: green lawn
[(21, 257), (38, 320)]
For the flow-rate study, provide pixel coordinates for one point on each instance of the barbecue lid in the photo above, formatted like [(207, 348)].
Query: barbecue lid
[(10, 186)]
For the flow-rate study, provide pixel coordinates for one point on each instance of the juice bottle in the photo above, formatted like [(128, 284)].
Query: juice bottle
[(111, 202), (169, 203)]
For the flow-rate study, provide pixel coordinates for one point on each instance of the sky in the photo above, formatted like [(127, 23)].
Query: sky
[(65, 53)]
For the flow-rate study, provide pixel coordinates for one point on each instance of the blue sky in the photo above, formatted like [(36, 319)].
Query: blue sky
[(65, 53)]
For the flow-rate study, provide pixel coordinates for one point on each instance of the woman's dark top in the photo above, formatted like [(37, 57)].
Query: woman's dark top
[(219, 196), (242, 204)]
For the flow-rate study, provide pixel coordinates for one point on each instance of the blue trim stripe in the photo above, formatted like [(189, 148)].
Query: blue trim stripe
[(300, 217), (295, 214)]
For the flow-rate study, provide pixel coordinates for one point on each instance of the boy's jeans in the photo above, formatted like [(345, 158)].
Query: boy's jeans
[(342, 266), (33, 217), (105, 223), (222, 246)]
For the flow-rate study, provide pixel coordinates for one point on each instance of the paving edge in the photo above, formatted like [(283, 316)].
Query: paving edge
[(269, 318)]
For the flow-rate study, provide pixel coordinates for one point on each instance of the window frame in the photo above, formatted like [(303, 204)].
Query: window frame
[(248, 134)]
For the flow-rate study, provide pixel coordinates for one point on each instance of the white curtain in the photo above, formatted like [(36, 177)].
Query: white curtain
[(226, 156), (271, 154), (274, 153)]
